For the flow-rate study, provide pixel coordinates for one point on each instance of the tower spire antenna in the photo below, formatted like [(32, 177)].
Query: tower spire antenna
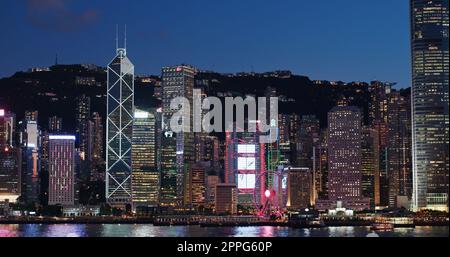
[(125, 38), (117, 36)]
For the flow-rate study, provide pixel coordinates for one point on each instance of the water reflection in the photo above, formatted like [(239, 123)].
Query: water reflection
[(342, 232), (64, 230), (246, 231), (148, 230), (307, 233), (9, 230), (268, 231)]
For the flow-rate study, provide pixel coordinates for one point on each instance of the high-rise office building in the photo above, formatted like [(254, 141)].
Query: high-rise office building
[(145, 175), (54, 124), (207, 149), (320, 165), (10, 167), (307, 146), (7, 127), (30, 150), (430, 103), (308, 136), (83, 114), (94, 139), (31, 115), (168, 167), (10, 170), (245, 159), (211, 182), (378, 120), (300, 188), (344, 158), (119, 125), (197, 185), (97, 149), (3, 129), (370, 168), (177, 149), (399, 150), (90, 140), (61, 168), (226, 199), (283, 144)]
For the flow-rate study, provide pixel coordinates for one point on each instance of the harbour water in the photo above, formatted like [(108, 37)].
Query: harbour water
[(148, 230)]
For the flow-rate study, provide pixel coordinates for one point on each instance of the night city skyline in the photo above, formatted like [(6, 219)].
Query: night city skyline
[(212, 120), (319, 39)]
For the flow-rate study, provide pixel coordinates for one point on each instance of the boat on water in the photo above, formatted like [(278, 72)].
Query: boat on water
[(382, 226)]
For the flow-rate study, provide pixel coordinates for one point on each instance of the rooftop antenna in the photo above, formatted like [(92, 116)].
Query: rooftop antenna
[(117, 36), (125, 39)]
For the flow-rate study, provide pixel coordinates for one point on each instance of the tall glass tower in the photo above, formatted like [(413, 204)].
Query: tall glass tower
[(177, 149), (119, 127), (145, 186), (430, 120)]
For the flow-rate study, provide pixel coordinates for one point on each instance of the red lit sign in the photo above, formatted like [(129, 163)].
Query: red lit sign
[(2, 112)]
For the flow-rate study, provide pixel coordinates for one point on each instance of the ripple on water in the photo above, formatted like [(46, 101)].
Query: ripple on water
[(148, 230)]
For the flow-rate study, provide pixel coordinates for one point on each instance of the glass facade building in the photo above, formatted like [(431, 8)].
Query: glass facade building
[(177, 149), (399, 150), (430, 120), (119, 125), (83, 112), (145, 176)]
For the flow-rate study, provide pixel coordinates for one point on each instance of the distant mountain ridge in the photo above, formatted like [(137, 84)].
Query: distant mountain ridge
[(53, 91)]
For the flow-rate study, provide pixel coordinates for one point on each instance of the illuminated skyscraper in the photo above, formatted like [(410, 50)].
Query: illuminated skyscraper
[(98, 138), (370, 168), (54, 124), (9, 162), (197, 185), (30, 148), (288, 131), (177, 149), (83, 112), (61, 161), (7, 127), (300, 188), (321, 166), (244, 164), (308, 136), (344, 157), (399, 150), (430, 103), (145, 176), (378, 120), (3, 128), (9, 173), (119, 125)]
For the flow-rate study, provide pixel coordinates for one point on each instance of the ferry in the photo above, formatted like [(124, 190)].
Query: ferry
[(382, 224)]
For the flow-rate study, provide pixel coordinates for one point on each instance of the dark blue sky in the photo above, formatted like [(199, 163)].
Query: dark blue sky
[(349, 40)]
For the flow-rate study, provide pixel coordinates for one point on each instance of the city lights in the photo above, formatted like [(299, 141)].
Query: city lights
[(233, 144)]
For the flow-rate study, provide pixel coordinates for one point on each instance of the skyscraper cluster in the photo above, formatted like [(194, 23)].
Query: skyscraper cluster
[(394, 154)]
